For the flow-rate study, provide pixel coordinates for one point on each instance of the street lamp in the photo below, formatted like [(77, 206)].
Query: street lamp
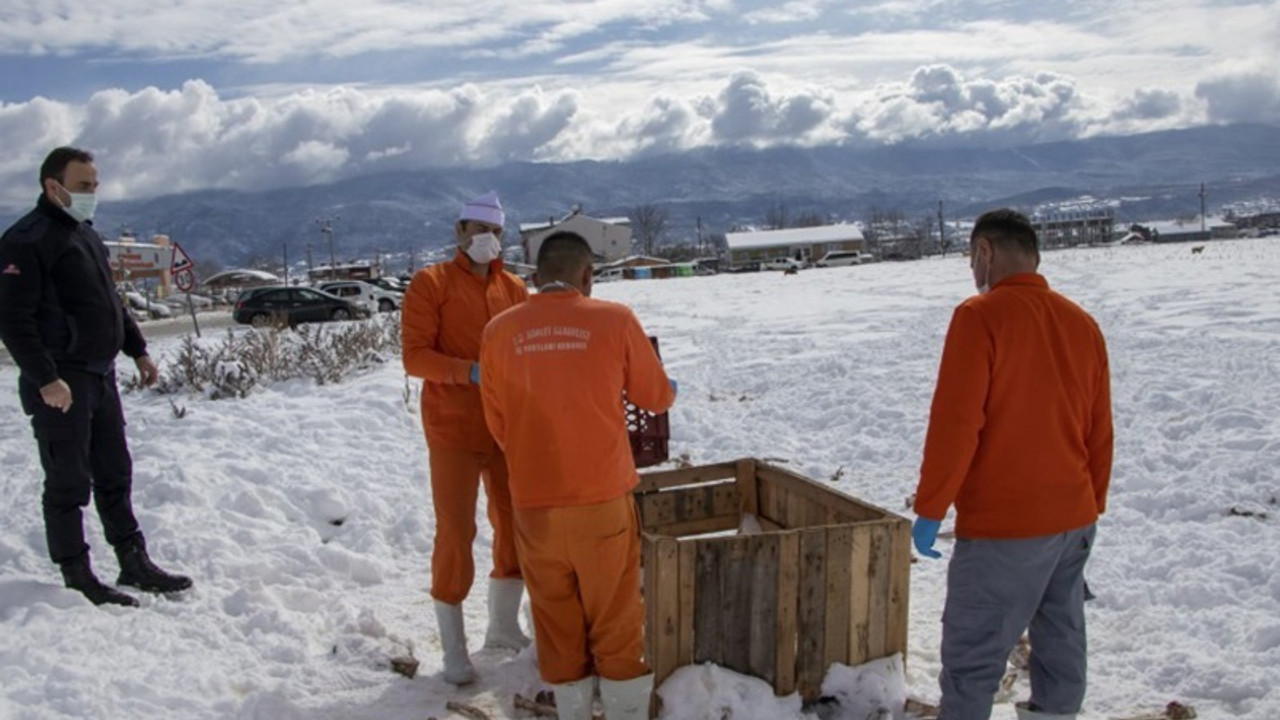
[(326, 229)]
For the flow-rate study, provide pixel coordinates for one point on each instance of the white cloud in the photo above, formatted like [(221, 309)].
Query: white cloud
[(155, 141), (1251, 96), (746, 111)]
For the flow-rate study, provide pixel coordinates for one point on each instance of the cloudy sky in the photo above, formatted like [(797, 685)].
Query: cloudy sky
[(178, 95)]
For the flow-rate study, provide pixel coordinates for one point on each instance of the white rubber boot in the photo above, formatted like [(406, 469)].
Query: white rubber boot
[(504, 615), (1024, 713), (627, 699), (573, 700), (453, 638)]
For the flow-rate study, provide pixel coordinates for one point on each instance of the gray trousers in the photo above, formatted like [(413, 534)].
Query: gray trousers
[(996, 589)]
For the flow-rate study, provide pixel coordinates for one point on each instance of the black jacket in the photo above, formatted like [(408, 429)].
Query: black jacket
[(58, 304)]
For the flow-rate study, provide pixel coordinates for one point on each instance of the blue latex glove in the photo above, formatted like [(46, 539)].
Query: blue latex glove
[(475, 373), (675, 386), (923, 533)]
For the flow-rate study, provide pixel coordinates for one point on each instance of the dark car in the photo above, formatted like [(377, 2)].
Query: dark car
[(292, 305)]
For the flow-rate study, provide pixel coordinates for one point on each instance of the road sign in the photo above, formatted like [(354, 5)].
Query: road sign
[(181, 261), (185, 280)]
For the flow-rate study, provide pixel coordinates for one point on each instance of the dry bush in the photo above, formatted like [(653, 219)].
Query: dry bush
[(232, 366)]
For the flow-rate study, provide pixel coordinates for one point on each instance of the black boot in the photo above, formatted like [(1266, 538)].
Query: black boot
[(78, 575), (137, 570)]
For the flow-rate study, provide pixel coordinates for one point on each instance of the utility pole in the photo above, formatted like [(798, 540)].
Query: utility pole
[(1202, 223), (286, 261), (942, 231), (309, 246), (326, 229)]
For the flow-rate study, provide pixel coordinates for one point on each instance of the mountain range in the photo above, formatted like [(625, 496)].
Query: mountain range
[(1140, 177)]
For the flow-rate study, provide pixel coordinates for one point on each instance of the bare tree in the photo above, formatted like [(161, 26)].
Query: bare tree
[(648, 226), (810, 218), (777, 217)]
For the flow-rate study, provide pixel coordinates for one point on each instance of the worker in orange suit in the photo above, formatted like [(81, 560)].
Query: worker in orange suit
[(444, 311), (1020, 441), (553, 372)]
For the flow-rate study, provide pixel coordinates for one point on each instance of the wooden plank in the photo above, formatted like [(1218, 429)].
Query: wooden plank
[(747, 488), (764, 563), (798, 507), (787, 625), (899, 590), (697, 527), (820, 494), (811, 613), (735, 602), (839, 558), (662, 479), (656, 510), (860, 597), (706, 637), (649, 588), (773, 507), (666, 615), (878, 582), (688, 584), (726, 499)]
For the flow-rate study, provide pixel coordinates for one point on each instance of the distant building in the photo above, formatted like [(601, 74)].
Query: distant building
[(1189, 230), (806, 244), (1075, 228), (609, 238), (358, 270)]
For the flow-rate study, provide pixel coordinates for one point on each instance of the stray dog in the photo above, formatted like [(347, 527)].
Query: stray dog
[(791, 271), (1197, 249)]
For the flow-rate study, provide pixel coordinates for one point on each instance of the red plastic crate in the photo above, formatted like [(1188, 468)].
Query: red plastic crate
[(649, 432)]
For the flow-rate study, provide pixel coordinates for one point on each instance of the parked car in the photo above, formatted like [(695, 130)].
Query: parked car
[(371, 296), (838, 258), (390, 284), (782, 263), (608, 275), (293, 305)]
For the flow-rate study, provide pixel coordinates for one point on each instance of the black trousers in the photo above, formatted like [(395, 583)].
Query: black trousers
[(84, 452)]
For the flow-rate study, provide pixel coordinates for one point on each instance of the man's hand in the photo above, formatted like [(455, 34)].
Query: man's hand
[(924, 533), (148, 373), (57, 395)]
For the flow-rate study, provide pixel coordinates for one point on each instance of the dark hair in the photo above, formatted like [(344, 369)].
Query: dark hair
[(562, 255), (55, 165), (1007, 228)]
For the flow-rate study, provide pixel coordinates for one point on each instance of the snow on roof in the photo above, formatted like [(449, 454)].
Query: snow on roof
[(544, 224), (246, 275), (1177, 227), (792, 236)]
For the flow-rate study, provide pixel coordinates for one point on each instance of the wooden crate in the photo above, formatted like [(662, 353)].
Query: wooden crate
[(826, 580)]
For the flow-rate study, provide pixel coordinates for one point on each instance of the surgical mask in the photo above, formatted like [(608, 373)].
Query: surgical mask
[(484, 248), (82, 205)]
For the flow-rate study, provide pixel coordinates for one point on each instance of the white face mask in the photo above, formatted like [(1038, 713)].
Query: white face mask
[(82, 206), (484, 248)]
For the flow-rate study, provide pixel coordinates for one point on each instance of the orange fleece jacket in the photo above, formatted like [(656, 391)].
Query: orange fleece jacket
[(553, 371), (444, 312), (1020, 435)]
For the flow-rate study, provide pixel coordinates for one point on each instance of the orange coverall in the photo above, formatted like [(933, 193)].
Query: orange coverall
[(445, 311), (1020, 434), (553, 372)]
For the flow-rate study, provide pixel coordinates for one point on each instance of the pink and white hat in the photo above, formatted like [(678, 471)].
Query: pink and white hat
[(485, 209)]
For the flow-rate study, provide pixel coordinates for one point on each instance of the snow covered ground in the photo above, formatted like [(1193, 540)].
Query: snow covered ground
[(303, 512)]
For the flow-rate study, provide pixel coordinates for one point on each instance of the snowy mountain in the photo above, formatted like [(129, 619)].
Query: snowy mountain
[(1157, 175)]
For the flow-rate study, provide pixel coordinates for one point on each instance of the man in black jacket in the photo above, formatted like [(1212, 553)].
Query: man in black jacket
[(64, 325)]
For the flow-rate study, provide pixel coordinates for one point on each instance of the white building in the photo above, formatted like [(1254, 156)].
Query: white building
[(609, 238), (807, 244)]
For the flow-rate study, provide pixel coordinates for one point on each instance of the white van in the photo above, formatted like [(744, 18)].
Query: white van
[(838, 258)]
